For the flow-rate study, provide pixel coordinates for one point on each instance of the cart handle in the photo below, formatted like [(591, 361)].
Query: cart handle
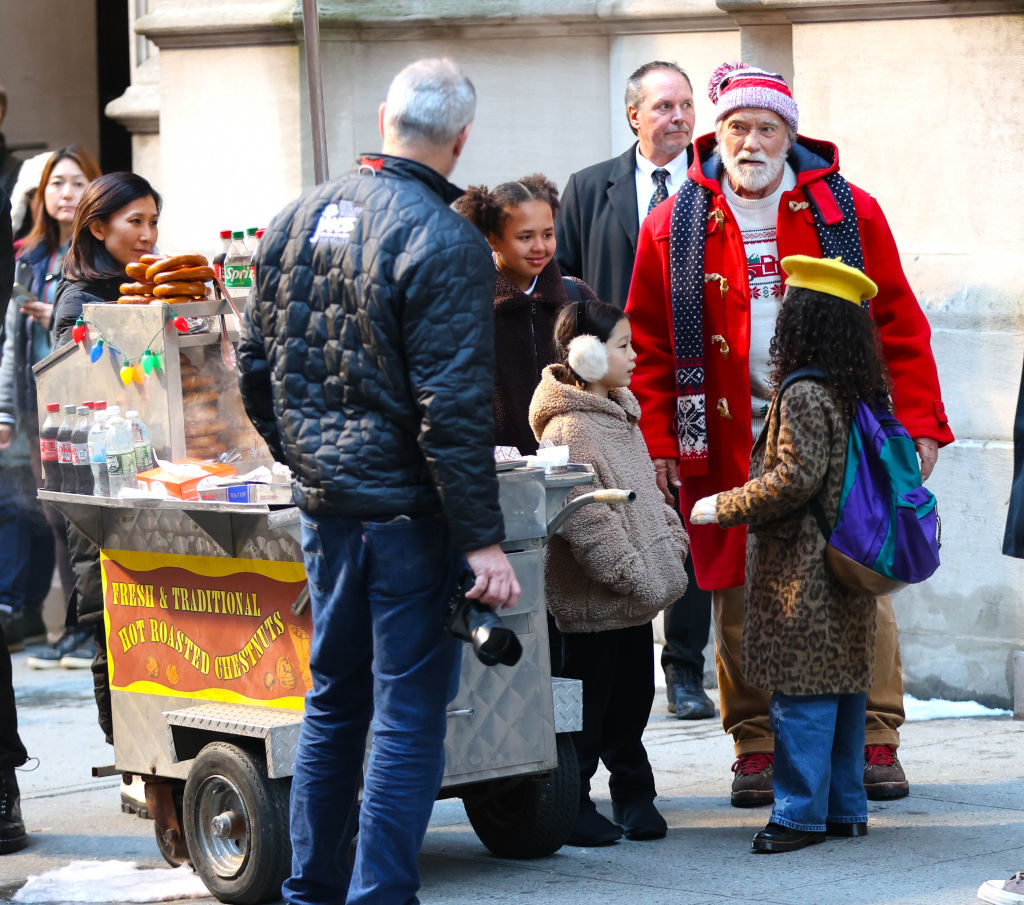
[(606, 495)]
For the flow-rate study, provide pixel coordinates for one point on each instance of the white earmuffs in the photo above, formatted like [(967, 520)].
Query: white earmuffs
[(588, 357)]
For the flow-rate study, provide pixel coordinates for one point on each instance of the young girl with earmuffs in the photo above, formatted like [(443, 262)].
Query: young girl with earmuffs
[(612, 568)]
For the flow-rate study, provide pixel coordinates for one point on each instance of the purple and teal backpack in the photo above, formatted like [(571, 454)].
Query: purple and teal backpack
[(887, 533)]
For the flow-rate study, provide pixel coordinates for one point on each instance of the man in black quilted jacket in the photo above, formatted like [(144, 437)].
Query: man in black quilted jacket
[(366, 362)]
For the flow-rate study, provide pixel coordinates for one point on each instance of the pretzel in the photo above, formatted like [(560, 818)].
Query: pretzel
[(196, 382), (135, 300), (185, 275), (173, 263), (136, 288), (151, 259), (136, 270), (199, 397), (169, 290), (210, 429)]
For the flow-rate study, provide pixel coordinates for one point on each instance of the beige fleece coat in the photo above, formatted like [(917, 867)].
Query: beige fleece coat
[(611, 566)]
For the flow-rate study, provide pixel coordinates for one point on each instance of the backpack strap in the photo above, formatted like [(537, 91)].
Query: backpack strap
[(572, 289), (808, 372)]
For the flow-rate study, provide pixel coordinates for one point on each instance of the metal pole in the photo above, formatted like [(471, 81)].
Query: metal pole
[(314, 78)]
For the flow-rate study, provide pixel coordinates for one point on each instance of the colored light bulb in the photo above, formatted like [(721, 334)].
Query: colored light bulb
[(78, 332), (180, 324), (127, 372), (138, 374), (148, 362), (97, 352)]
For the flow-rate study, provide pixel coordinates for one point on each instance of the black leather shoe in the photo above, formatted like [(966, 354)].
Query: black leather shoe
[(12, 827), (686, 697), (848, 830), (774, 839), (640, 821), (592, 829)]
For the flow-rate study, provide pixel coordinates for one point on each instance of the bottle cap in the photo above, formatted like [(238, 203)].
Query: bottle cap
[(250, 230), (53, 406), (88, 404), (131, 413), (225, 233), (100, 405), (83, 410), (70, 409), (238, 234), (260, 232), (113, 410)]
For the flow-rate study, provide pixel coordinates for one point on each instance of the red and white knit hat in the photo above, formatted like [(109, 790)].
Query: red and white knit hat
[(737, 85)]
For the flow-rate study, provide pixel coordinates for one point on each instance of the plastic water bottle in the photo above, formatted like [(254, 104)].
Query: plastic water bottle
[(65, 454), (120, 454), (80, 449), (48, 446), (98, 451), (140, 442), (238, 266)]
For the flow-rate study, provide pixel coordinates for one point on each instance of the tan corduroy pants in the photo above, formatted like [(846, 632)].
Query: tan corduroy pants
[(745, 708)]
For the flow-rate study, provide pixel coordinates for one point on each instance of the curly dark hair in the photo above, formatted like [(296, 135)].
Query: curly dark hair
[(589, 316), (837, 336), (488, 210)]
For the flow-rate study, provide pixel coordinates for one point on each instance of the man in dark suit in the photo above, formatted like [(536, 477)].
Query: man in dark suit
[(597, 227)]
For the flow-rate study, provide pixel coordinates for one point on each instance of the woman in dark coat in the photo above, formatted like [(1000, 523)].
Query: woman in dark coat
[(1013, 539), (518, 220)]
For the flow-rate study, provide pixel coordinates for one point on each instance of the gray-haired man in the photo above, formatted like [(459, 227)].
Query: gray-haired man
[(367, 363)]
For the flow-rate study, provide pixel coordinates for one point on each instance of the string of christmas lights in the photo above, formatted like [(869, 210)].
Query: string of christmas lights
[(136, 368)]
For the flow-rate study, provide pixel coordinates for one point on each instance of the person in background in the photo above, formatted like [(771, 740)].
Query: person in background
[(12, 751), (27, 340), (610, 569), (703, 303), (115, 224), (518, 221), (602, 209), (1011, 892), (392, 448), (808, 639)]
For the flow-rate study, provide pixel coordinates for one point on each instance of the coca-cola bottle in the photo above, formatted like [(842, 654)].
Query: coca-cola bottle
[(65, 453), (48, 446), (80, 450)]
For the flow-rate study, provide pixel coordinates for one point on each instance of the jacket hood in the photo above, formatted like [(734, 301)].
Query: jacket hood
[(810, 158), (411, 169), (549, 290), (558, 394)]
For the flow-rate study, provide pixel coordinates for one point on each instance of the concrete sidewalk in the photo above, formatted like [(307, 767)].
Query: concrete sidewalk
[(962, 824)]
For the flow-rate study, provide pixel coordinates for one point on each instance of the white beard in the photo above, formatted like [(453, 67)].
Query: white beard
[(752, 179)]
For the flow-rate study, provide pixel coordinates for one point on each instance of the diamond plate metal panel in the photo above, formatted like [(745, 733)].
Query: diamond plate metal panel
[(567, 697)]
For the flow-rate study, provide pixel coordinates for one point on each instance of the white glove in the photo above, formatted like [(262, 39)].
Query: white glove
[(703, 512)]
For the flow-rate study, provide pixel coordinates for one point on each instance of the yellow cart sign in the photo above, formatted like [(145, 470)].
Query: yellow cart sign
[(206, 627)]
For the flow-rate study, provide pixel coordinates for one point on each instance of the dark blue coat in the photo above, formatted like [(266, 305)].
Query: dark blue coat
[(367, 352)]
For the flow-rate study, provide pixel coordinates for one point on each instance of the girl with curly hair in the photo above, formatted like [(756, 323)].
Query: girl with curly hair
[(808, 638), (518, 219)]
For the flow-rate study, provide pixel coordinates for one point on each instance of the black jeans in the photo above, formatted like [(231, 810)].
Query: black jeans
[(617, 669), (687, 624), (12, 751)]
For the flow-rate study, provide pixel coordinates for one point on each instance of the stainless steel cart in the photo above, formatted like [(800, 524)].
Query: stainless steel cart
[(217, 755)]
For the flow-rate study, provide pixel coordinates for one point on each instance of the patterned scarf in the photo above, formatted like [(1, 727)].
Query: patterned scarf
[(835, 219)]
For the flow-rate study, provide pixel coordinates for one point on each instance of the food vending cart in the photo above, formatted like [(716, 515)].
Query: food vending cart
[(208, 634)]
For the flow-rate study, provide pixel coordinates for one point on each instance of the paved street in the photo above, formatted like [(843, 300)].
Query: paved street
[(962, 824)]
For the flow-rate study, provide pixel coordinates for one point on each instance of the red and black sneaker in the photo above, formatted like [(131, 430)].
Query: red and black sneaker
[(752, 786), (884, 778)]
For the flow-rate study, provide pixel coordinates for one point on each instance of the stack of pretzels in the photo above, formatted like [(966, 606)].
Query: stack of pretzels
[(173, 279), (203, 425)]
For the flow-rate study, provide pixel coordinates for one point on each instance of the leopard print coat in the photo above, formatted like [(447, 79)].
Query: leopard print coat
[(803, 631)]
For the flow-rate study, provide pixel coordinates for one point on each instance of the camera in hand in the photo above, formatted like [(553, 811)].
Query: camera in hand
[(475, 622)]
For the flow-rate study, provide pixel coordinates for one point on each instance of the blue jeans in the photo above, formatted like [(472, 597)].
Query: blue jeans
[(378, 592), (818, 774)]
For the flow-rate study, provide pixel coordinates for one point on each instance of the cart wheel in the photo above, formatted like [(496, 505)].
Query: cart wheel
[(168, 839), (236, 825), (531, 818)]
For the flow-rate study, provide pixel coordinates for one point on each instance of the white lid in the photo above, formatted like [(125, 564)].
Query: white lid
[(113, 410), (131, 413)]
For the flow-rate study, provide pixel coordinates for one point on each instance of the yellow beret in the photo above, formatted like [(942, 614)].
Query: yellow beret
[(829, 275)]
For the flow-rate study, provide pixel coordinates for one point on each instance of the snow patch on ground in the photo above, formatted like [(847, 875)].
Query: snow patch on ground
[(111, 881), (937, 709)]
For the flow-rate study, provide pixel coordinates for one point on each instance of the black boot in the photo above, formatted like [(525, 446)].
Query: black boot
[(686, 697), (12, 828)]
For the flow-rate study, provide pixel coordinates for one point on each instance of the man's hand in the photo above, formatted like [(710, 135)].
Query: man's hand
[(6, 435), (928, 451), (704, 511), (496, 583), (665, 473), (40, 312)]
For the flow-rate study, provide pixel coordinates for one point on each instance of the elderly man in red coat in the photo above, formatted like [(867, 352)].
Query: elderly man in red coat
[(703, 301)]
